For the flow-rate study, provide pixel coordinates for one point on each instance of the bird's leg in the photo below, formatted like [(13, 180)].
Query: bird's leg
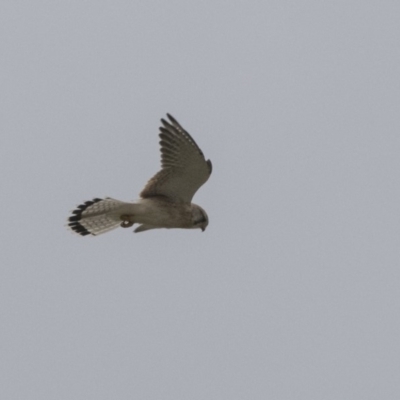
[(127, 221)]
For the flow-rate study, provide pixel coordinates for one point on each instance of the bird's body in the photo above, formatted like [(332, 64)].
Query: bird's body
[(165, 201)]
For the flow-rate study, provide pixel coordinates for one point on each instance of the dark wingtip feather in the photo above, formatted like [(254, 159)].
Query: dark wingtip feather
[(164, 132), (167, 125), (172, 119)]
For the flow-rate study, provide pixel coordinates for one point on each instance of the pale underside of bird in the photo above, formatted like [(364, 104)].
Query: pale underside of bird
[(165, 202)]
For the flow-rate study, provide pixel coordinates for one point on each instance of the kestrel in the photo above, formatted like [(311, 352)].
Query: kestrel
[(165, 202)]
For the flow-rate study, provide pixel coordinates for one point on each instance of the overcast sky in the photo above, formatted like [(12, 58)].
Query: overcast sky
[(293, 290)]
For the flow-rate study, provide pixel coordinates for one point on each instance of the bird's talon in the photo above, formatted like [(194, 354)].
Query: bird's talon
[(126, 223)]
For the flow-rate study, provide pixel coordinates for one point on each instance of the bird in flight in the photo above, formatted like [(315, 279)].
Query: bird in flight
[(165, 202)]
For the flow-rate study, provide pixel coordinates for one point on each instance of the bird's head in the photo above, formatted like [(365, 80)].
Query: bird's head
[(199, 217)]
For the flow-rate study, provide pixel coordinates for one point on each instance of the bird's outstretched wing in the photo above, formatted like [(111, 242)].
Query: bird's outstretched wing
[(184, 168)]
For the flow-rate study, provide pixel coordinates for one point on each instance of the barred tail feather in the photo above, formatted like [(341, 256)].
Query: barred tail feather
[(96, 216)]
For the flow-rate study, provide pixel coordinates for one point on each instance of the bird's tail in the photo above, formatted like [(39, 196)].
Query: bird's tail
[(96, 216)]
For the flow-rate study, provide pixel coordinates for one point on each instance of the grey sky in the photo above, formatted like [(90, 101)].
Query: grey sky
[(293, 290)]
